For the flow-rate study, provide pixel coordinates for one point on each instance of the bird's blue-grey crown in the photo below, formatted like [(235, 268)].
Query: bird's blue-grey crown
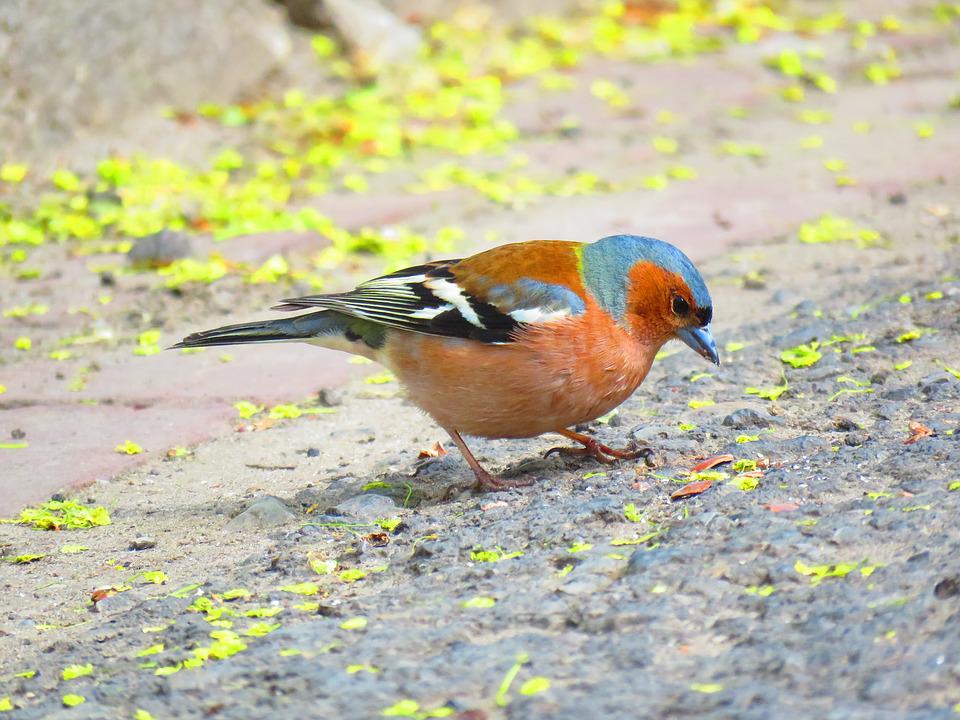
[(606, 261)]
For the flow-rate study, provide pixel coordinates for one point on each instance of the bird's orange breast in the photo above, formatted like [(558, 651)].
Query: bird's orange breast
[(552, 377)]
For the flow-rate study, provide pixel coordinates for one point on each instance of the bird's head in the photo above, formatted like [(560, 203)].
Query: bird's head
[(652, 289)]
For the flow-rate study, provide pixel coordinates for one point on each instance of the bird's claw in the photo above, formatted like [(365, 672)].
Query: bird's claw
[(604, 453), (491, 483)]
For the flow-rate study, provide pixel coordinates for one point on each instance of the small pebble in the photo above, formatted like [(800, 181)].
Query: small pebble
[(845, 424), (367, 507), (947, 588), (855, 439), (263, 513), (159, 249), (143, 543), (330, 397), (746, 418)]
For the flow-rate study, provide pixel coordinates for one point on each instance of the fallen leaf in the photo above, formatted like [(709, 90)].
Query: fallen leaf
[(493, 505), (694, 488), (377, 539), (102, 594), (782, 507), (917, 432), (712, 462), (436, 451), (183, 117)]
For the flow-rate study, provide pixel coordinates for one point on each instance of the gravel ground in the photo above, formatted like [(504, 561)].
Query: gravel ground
[(830, 589)]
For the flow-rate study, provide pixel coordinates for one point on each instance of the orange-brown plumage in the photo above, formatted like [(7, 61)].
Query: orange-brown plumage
[(550, 378), (649, 301), (550, 261), (516, 341)]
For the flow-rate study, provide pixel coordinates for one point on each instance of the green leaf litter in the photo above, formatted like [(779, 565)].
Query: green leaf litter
[(62, 515)]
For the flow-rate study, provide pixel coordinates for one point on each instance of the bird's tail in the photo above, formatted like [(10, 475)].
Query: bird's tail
[(316, 326)]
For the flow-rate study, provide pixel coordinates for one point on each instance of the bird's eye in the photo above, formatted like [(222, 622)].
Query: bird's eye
[(680, 306)]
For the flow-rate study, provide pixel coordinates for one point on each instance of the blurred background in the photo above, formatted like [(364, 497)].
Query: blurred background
[(169, 166)]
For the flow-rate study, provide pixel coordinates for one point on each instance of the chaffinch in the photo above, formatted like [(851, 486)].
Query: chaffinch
[(513, 342)]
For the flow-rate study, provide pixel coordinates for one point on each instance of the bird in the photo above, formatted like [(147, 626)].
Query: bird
[(516, 341)]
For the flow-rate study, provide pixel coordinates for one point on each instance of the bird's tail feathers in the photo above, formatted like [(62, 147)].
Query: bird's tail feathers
[(304, 327)]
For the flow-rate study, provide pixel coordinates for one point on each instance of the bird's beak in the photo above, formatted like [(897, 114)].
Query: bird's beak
[(701, 342)]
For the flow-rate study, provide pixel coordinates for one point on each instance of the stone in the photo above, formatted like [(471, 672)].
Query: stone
[(378, 39), (898, 394), (856, 439), (948, 587), (367, 507), (263, 513), (747, 418), (143, 542), (326, 497), (330, 397), (117, 603), (845, 424), (306, 13), (159, 249), (936, 385), (846, 535), (62, 82)]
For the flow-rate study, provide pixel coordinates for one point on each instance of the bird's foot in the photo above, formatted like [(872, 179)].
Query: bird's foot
[(485, 481), (491, 483), (604, 453)]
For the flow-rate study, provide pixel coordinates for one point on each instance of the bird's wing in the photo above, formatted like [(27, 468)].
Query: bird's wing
[(451, 299)]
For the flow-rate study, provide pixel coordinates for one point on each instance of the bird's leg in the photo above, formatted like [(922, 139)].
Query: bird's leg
[(595, 449), (485, 481)]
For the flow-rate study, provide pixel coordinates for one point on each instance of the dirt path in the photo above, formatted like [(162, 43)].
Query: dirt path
[(816, 577)]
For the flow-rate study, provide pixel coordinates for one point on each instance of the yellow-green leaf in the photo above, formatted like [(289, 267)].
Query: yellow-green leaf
[(707, 688), (402, 708), (74, 671), (128, 447), (479, 602), (304, 588), (535, 685), (13, 173)]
